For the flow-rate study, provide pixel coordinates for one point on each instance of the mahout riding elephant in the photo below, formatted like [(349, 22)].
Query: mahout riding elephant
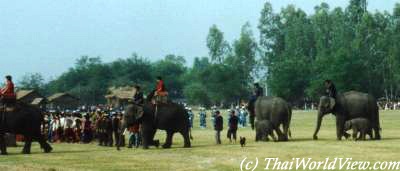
[(170, 117), (276, 112), (26, 120), (348, 106)]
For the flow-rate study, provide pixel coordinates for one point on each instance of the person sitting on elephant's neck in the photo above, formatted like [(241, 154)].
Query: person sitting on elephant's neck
[(330, 89), (160, 92), (138, 97), (218, 127), (7, 94)]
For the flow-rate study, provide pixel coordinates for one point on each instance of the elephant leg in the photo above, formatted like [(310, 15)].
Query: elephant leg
[(362, 135), (266, 138), (355, 138), (281, 136), (339, 128), (27, 146), (377, 132), (154, 142), (43, 144), (168, 140), (369, 132), (252, 118), (346, 135), (147, 136), (272, 135), (3, 146), (186, 139), (286, 131)]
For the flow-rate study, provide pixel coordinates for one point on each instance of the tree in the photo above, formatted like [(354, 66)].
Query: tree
[(172, 69), (217, 45), (245, 53), (288, 52), (131, 71), (32, 81)]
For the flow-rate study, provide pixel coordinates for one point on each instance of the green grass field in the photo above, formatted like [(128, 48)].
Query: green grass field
[(205, 155)]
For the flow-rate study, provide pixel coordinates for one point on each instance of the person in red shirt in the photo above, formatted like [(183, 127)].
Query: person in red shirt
[(160, 93), (160, 88), (7, 94)]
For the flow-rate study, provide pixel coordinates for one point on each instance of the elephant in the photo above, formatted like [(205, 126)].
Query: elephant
[(361, 125), (22, 119), (170, 117), (264, 128), (276, 111), (347, 106)]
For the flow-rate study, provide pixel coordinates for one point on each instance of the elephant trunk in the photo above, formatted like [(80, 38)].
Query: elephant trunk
[(319, 121), (251, 118)]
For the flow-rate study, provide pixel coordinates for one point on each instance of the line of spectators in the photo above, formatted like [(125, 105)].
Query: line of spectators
[(101, 124)]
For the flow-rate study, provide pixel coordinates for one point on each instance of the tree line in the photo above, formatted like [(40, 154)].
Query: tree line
[(355, 48)]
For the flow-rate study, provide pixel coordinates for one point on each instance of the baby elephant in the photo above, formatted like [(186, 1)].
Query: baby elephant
[(264, 128), (361, 125)]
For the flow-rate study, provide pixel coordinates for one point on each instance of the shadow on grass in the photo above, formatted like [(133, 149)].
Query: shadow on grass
[(58, 152), (303, 139), (388, 139), (78, 151)]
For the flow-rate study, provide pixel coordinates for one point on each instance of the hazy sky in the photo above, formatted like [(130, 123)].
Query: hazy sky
[(47, 36)]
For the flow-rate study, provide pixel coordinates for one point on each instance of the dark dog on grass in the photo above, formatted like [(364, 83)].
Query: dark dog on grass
[(242, 141)]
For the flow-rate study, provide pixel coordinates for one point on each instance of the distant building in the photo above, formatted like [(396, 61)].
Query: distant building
[(31, 97), (63, 101), (28, 96), (119, 97)]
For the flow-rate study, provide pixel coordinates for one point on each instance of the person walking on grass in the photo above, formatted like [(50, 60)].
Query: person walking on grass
[(233, 126), (218, 126)]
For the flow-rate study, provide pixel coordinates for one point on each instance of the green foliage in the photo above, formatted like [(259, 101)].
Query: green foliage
[(356, 49), (34, 81), (217, 45), (172, 70)]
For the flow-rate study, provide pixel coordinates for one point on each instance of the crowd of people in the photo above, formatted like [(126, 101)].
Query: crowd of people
[(82, 126), (384, 105), (102, 123)]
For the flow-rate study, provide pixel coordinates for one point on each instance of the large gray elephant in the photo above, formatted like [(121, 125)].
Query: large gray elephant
[(276, 112), (170, 117), (348, 106), (25, 120)]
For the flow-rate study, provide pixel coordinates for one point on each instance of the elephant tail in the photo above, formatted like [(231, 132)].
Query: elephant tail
[(289, 119), (190, 134)]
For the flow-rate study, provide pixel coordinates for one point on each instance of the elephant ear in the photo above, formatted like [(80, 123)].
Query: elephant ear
[(134, 111), (332, 103)]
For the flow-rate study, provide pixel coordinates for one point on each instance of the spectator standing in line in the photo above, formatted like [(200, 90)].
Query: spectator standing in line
[(233, 126), (218, 126)]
